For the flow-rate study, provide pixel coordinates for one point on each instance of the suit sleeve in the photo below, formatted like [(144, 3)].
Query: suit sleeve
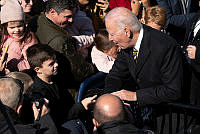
[(195, 63), (118, 74), (171, 71)]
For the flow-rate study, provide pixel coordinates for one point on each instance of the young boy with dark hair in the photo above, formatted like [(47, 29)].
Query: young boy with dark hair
[(42, 59)]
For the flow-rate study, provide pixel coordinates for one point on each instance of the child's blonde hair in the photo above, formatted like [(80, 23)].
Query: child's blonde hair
[(23, 77), (156, 15)]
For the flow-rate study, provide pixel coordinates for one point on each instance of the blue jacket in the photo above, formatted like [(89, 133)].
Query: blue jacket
[(176, 19)]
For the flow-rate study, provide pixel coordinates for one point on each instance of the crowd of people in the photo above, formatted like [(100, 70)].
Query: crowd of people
[(125, 58)]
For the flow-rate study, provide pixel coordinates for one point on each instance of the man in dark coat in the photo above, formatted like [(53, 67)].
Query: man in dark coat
[(11, 96), (49, 28), (192, 53), (110, 116), (151, 58)]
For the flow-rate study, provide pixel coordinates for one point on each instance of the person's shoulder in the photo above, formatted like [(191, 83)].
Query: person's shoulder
[(25, 129), (39, 87), (37, 82), (158, 35), (158, 40), (121, 127), (62, 43), (80, 15)]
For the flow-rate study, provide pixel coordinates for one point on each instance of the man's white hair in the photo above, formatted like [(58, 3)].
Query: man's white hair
[(124, 17)]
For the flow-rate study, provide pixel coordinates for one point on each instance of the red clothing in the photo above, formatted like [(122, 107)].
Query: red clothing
[(120, 3)]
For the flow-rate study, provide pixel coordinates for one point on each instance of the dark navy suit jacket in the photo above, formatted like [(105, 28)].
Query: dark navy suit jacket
[(157, 76)]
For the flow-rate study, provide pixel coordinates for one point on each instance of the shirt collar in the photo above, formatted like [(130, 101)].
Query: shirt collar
[(139, 40)]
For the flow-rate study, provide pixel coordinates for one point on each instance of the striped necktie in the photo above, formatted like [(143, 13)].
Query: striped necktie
[(135, 51)]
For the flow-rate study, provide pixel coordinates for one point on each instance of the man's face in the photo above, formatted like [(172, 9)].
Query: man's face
[(119, 37), (63, 19), (49, 68)]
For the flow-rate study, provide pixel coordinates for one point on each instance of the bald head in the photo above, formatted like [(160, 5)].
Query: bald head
[(108, 108), (9, 92), (122, 17)]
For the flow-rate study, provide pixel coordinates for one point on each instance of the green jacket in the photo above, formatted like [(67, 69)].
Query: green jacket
[(60, 40)]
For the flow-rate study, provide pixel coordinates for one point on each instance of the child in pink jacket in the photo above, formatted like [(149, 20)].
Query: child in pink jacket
[(15, 37)]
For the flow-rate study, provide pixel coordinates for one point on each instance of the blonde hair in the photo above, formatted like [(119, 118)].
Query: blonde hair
[(23, 77), (156, 15)]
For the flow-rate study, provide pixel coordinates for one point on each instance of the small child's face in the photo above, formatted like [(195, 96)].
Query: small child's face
[(113, 52), (16, 29), (49, 68)]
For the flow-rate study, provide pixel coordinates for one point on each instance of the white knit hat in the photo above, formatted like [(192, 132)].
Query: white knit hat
[(11, 11)]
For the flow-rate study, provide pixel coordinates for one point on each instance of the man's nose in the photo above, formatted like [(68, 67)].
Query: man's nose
[(56, 64), (110, 37)]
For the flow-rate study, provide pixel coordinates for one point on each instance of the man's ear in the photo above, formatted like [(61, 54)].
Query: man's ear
[(52, 12), (37, 70), (128, 32)]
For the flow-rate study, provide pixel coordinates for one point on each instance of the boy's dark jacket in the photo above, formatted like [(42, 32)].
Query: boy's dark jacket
[(61, 103)]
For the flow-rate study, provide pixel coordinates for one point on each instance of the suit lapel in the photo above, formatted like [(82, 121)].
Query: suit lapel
[(144, 50)]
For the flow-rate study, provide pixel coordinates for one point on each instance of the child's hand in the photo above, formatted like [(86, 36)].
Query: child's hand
[(87, 101), (191, 49)]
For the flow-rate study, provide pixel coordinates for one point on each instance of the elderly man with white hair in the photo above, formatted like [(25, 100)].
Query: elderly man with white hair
[(149, 57)]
